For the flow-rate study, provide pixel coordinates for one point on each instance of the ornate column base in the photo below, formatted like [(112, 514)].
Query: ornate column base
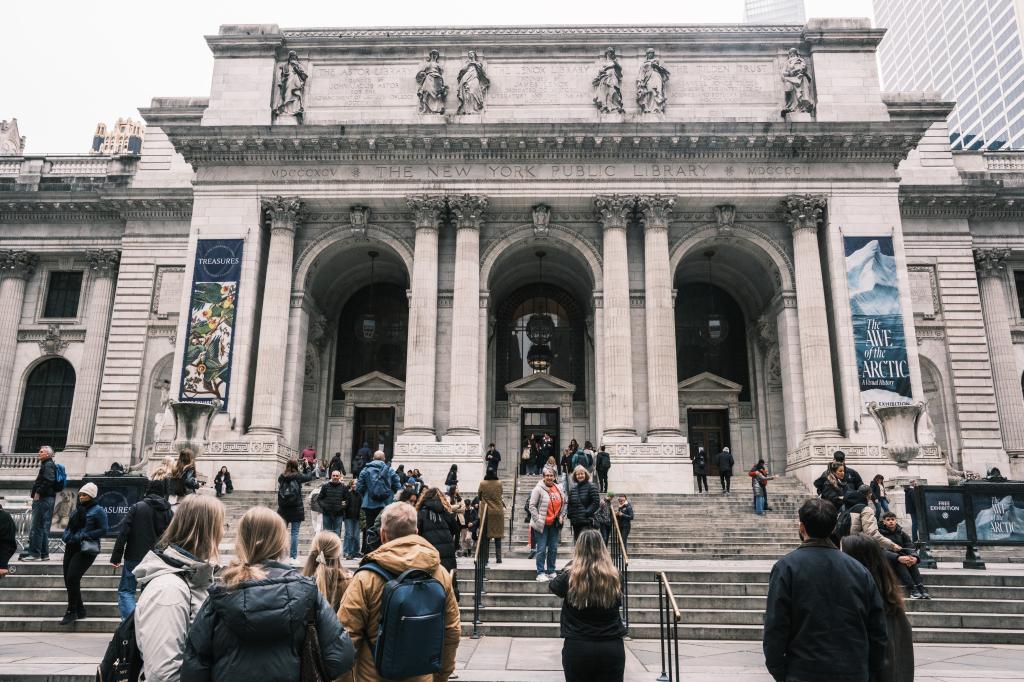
[(415, 435), (811, 459), (665, 436), (254, 460), (434, 459), (619, 436)]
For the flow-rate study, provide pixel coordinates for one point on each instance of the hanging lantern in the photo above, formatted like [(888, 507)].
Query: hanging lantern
[(715, 328), (539, 357), (366, 324), (540, 328)]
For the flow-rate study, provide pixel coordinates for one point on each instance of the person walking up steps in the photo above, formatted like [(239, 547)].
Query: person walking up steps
[(142, 527), (377, 483), (289, 501), (725, 462), (602, 464), (700, 470)]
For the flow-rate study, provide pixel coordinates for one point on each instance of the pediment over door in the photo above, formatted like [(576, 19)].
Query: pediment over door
[(540, 388), (709, 389), (374, 387)]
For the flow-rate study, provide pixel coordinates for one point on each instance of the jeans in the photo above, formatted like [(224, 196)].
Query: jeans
[(295, 525), (759, 505), (76, 563), (909, 576), (602, 480), (39, 534), (726, 481), (333, 524), (702, 483), (126, 589), (914, 533), (880, 507), (351, 541), (547, 549), (593, 660)]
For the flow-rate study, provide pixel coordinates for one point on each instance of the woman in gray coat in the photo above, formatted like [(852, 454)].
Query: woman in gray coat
[(548, 508)]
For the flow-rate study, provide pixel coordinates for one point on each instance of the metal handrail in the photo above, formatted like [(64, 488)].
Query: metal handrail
[(621, 559), (669, 616), (515, 493), (479, 569)]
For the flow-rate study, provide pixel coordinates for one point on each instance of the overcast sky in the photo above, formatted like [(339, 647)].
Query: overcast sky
[(78, 63)]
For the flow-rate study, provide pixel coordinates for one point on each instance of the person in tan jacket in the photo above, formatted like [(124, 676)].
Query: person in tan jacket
[(402, 549), (862, 518)]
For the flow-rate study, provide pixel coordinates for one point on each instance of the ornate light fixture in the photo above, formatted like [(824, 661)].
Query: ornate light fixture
[(366, 324), (540, 328), (715, 328)]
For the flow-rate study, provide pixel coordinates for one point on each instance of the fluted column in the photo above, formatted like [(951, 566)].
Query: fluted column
[(662, 374), (268, 394), (464, 397), (16, 267), (991, 265), (804, 215), (422, 347), (615, 212), (103, 266)]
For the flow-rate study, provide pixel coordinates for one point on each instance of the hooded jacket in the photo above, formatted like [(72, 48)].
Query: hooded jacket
[(438, 526), (725, 462), (145, 522), (863, 521), (256, 630), (368, 475), (540, 498), (175, 585), (360, 607)]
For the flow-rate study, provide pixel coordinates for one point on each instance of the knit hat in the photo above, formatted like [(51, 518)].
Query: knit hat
[(89, 489)]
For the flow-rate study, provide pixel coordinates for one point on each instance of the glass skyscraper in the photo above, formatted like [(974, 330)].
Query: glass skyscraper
[(968, 50), (774, 12)]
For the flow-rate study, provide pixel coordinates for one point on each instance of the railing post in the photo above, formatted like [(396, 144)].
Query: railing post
[(479, 569), (662, 629)]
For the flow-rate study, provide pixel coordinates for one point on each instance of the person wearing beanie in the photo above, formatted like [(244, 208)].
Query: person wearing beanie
[(88, 523)]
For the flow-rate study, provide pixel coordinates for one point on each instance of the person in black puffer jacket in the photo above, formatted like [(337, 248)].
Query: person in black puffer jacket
[(333, 497), (438, 526), (584, 501), (289, 502), (253, 626), (145, 522), (87, 523)]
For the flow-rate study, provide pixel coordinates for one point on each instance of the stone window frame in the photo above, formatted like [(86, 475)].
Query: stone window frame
[(930, 267), (43, 272)]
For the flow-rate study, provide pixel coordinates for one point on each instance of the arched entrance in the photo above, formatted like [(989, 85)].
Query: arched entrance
[(46, 407)]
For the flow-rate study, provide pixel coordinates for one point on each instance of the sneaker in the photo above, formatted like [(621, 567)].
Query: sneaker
[(68, 618), (542, 578), (45, 558), (916, 594), (552, 576), (30, 557), (924, 592)]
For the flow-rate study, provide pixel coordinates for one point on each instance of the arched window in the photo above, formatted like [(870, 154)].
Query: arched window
[(46, 409), (372, 339)]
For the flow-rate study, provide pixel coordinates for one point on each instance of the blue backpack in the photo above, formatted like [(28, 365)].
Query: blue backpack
[(410, 637), (380, 486), (60, 478)]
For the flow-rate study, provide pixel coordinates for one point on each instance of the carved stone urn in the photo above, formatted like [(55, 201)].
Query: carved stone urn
[(192, 421), (899, 429)]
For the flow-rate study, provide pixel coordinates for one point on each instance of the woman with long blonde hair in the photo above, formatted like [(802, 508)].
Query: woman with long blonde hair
[(324, 566), (254, 625), (590, 623)]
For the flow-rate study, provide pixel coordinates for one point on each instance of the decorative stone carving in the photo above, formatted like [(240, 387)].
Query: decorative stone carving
[(359, 217), (18, 264), (468, 210), (53, 343), (541, 220), (608, 85), (655, 211), (803, 211), (282, 211), (614, 209), (291, 88), (797, 82), (725, 215), (898, 424), (432, 91), (650, 85), (473, 85), (767, 334), (318, 331), (991, 262), (427, 210), (103, 262)]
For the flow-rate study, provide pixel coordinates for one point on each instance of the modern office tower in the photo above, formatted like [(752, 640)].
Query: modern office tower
[(971, 52), (774, 12)]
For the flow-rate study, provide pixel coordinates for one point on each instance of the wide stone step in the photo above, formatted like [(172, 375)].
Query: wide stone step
[(44, 609), (39, 624)]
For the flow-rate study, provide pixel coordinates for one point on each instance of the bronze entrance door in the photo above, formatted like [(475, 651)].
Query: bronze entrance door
[(538, 422), (376, 426), (708, 429)]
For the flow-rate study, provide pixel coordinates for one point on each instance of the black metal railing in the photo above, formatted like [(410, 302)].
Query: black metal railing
[(515, 492), (621, 561), (479, 571), (668, 630)]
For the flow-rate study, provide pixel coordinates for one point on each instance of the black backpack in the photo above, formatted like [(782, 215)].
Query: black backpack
[(844, 522), (410, 637), (289, 493), (123, 660)]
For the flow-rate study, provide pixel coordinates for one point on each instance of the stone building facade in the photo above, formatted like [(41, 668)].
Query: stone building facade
[(382, 235)]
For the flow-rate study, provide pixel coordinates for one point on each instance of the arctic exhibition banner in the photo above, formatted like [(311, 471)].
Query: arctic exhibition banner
[(210, 325), (878, 332)]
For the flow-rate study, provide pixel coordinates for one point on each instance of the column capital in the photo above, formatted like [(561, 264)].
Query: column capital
[(468, 210), (803, 211), (20, 264), (991, 262), (655, 211), (614, 209), (282, 211), (104, 263), (427, 210)]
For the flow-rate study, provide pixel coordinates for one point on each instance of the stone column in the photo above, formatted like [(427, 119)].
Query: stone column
[(991, 265), (615, 212), (420, 369), (268, 393), (662, 375), (463, 419), (103, 265), (804, 215), (16, 267)]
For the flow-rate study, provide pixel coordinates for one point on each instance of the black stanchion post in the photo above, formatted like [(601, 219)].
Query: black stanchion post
[(972, 559), (924, 556)]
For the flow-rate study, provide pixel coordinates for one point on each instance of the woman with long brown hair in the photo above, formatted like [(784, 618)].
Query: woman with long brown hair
[(899, 658), (324, 566), (590, 623), (184, 475), (253, 626)]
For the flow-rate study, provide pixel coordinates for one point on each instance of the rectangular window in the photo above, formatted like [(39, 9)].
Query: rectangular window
[(63, 293), (1018, 276)]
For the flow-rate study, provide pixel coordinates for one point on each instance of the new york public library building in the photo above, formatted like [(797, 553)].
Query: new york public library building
[(656, 238)]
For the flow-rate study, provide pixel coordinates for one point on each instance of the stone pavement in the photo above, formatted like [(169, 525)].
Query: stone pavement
[(73, 657)]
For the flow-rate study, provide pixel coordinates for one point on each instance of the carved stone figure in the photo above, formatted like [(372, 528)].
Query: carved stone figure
[(650, 85), (473, 85), (291, 88), (432, 91), (608, 85), (798, 84)]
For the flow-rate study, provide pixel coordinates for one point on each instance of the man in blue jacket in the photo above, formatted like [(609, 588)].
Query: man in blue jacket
[(825, 619), (378, 484)]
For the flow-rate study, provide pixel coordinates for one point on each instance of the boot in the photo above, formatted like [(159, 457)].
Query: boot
[(497, 551), (69, 617), (80, 611)]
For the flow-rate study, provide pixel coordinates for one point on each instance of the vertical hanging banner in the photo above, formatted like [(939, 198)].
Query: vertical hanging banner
[(878, 332), (210, 326)]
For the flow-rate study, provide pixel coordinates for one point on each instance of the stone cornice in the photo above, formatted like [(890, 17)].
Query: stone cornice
[(93, 207), (979, 200), (878, 142), (646, 33)]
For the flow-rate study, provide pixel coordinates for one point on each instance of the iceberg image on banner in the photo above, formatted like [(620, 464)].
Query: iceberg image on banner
[(871, 276)]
